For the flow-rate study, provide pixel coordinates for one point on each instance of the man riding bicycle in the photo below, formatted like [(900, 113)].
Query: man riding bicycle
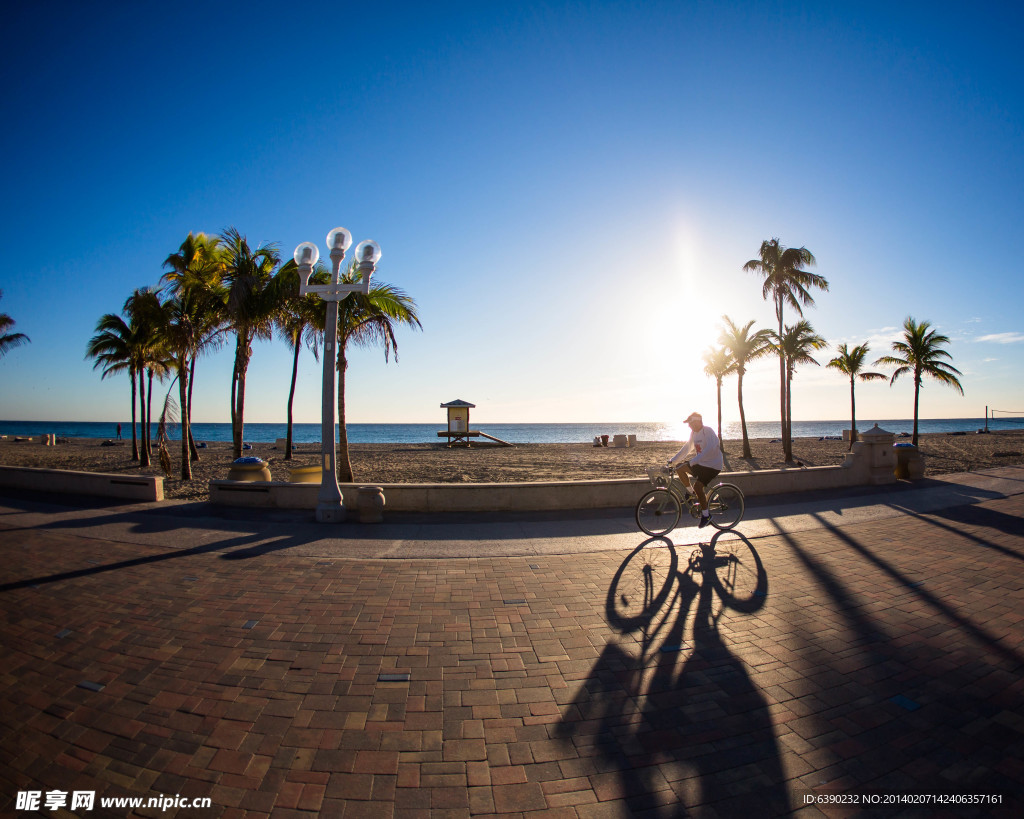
[(699, 462)]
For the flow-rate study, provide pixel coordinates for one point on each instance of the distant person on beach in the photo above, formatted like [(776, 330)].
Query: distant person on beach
[(119, 432), (699, 462)]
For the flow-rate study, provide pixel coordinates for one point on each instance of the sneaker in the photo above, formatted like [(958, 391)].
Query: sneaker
[(705, 519)]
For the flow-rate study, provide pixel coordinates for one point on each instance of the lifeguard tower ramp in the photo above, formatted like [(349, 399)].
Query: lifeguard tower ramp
[(459, 432)]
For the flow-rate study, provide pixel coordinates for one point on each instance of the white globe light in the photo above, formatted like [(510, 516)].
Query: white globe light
[(339, 239), (368, 251), (306, 253)]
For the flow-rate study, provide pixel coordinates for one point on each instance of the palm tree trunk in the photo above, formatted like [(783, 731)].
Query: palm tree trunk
[(143, 450), (135, 440), (193, 449), (917, 395), (721, 443), (291, 397), (236, 441), (149, 417), (183, 382), (782, 383), (789, 415), (344, 463), (853, 416), (241, 411), (743, 418)]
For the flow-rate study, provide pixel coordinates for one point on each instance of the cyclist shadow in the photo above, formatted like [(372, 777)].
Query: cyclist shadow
[(681, 724)]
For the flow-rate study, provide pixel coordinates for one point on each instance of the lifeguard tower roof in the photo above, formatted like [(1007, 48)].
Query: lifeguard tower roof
[(458, 402)]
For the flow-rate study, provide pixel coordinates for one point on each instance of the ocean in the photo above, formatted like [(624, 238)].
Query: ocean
[(513, 433)]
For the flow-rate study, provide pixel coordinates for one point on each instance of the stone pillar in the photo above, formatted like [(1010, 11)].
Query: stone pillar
[(875, 446)]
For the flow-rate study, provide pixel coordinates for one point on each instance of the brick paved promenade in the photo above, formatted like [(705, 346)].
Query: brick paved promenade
[(253, 662)]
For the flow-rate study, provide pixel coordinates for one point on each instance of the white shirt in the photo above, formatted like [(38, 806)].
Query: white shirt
[(702, 449)]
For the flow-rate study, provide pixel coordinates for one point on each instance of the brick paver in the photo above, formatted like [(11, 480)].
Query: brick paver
[(880, 660)]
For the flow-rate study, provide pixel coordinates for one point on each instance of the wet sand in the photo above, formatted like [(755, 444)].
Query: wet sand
[(435, 463)]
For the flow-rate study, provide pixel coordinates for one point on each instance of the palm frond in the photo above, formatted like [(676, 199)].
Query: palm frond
[(168, 416)]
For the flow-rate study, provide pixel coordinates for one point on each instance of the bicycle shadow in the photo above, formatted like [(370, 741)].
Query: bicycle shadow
[(679, 724)]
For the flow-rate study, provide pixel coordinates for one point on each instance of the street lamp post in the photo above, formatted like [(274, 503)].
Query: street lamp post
[(329, 500)]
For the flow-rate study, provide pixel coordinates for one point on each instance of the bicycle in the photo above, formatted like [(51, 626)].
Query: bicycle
[(659, 510)]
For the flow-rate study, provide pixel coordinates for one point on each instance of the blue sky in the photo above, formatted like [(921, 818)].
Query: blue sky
[(568, 190)]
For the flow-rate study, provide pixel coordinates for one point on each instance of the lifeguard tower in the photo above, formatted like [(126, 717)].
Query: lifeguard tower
[(458, 432)]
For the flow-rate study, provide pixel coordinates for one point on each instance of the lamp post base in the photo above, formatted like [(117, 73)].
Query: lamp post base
[(330, 513)]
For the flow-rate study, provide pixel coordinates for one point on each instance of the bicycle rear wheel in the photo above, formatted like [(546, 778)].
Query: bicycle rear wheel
[(726, 505), (658, 512)]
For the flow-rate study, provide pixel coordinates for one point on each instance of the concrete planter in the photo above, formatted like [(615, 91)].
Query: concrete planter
[(306, 474), (371, 504), (249, 472)]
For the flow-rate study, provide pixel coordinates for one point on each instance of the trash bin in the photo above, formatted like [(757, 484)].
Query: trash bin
[(905, 453)]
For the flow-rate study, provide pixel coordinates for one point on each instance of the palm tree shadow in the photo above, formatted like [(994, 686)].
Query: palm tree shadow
[(681, 724), (230, 542)]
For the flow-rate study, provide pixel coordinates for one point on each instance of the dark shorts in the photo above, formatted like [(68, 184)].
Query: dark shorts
[(703, 473)]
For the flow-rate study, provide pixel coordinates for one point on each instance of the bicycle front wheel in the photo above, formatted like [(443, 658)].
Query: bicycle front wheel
[(658, 512), (726, 505)]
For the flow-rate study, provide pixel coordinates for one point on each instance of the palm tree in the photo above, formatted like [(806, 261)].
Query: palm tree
[(920, 353), (743, 347), (795, 347), (117, 350), (194, 282), (786, 282), (718, 364), (850, 363), (8, 341), (182, 332), (143, 310), (253, 299), (366, 320), (300, 322)]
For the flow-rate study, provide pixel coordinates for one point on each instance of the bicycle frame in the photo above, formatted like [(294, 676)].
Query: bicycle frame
[(666, 478)]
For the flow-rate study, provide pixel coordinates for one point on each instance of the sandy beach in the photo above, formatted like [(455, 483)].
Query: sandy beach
[(435, 463)]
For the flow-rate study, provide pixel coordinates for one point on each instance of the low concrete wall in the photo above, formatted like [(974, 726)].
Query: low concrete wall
[(510, 497), (64, 482), (441, 497), (871, 462)]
